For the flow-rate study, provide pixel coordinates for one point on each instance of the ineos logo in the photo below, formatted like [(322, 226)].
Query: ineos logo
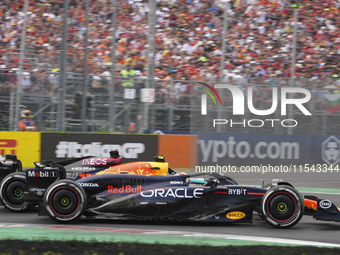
[(325, 204)]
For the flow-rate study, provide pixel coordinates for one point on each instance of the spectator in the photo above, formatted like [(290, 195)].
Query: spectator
[(5, 88), (106, 74), (139, 66), (99, 82), (260, 35), (52, 83), (26, 124), (128, 76), (26, 81)]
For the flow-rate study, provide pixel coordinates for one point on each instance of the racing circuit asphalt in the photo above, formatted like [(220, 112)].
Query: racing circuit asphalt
[(307, 229)]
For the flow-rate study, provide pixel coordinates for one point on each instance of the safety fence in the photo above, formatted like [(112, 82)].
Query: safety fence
[(177, 104), (48, 60)]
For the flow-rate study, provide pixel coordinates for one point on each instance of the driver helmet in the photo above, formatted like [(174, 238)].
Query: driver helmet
[(27, 114)]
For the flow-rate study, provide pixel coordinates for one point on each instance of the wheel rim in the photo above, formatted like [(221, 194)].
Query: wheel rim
[(18, 192), (282, 207), (65, 201), (15, 192)]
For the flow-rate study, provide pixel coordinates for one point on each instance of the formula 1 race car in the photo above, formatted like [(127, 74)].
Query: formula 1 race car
[(74, 167), (13, 184), (131, 195), (9, 164)]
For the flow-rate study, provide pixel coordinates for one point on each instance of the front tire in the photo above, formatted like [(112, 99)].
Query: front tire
[(12, 190), (65, 201), (282, 206)]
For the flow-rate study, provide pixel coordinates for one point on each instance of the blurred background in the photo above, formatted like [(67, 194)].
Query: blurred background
[(58, 58)]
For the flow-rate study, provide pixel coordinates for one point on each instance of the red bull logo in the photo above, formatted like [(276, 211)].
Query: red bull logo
[(124, 189), (7, 146)]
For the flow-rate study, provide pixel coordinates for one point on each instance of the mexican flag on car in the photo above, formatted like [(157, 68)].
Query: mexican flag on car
[(333, 102)]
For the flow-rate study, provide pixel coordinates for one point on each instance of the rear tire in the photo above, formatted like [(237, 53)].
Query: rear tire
[(12, 190), (282, 207), (65, 201)]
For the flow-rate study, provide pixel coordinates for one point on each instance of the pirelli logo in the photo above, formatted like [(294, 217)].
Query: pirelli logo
[(8, 146)]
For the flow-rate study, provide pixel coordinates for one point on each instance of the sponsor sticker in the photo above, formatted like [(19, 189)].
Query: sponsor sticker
[(89, 184), (237, 191), (236, 215), (176, 193), (176, 182), (94, 161), (38, 191), (83, 168), (42, 174), (325, 204), (124, 189)]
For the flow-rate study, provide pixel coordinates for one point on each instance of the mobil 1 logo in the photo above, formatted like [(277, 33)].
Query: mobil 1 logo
[(42, 174)]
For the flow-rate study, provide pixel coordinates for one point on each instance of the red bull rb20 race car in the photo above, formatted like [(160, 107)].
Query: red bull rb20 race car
[(153, 191)]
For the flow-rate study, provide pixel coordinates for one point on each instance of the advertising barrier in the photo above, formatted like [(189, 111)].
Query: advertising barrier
[(63, 146), (180, 151), (255, 149), (26, 145)]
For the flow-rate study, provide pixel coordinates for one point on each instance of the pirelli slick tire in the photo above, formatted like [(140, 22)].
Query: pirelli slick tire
[(65, 201), (282, 207), (12, 189)]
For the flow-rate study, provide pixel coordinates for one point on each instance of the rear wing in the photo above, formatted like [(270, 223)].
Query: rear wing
[(9, 164)]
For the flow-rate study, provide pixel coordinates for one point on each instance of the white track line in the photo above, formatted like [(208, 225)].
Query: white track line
[(195, 234)]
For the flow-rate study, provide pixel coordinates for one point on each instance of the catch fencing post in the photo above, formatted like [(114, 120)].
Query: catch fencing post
[(21, 67), (222, 63), (293, 57), (84, 101), (62, 76), (112, 105)]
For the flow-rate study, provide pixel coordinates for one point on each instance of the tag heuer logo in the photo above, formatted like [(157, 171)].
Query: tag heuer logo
[(330, 152)]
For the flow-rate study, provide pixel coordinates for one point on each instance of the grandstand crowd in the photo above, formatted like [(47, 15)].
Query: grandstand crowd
[(188, 41)]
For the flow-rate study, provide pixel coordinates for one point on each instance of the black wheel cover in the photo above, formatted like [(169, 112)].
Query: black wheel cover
[(282, 207), (64, 202), (15, 192), (12, 188)]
